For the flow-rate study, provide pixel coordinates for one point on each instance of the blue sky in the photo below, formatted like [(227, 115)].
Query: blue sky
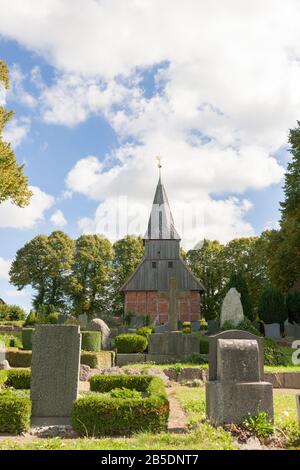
[(99, 90)]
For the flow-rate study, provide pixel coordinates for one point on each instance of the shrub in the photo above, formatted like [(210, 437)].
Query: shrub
[(3, 377), (11, 312), (260, 424), (125, 393), (198, 359), (27, 338), (293, 306), (15, 412), (31, 319), (186, 327), (18, 358), (103, 359), (18, 379), (203, 324), (245, 325), (145, 331), (131, 343), (276, 355), (99, 415), (238, 281), (53, 318), (204, 345), (272, 308), (91, 341), (11, 341)]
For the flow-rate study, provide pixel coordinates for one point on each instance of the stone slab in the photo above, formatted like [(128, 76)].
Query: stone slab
[(237, 360), (272, 330), (124, 359), (284, 379), (228, 403), (55, 370), (174, 343), (232, 334)]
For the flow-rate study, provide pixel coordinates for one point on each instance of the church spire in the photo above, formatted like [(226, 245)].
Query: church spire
[(161, 222)]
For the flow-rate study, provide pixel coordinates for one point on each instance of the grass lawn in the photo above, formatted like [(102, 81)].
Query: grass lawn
[(274, 369), (178, 366)]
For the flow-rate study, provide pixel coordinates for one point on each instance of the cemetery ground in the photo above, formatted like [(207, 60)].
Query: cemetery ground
[(199, 435)]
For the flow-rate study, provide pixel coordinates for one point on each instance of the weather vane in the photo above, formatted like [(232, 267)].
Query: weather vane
[(159, 159)]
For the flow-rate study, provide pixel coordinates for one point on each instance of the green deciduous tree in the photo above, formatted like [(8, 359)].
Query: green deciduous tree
[(13, 182), (90, 276)]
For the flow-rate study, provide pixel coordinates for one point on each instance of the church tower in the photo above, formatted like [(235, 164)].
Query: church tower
[(162, 262)]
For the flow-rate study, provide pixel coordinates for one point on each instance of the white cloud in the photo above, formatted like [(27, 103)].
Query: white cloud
[(16, 131), (227, 91), (58, 218), (4, 268), (17, 91), (15, 293), (22, 218)]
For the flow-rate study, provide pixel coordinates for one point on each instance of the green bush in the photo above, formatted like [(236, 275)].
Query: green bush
[(245, 325), (131, 343), (102, 359), (203, 325), (125, 393), (293, 306), (18, 358), (238, 281), (145, 331), (204, 344), (31, 319), (18, 379), (3, 377), (272, 307), (91, 341), (260, 424), (198, 359), (27, 338), (99, 415), (11, 341), (276, 355), (11, 312), (53, 318), (186, 327), (15, 412)]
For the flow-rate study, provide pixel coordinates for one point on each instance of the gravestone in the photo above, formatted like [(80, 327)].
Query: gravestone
[(292, 330), (172, 344), (55, 370), (162, 328), (237, 390), (232, 309), (232, 334), (83, 319), (212, 327), (99, 325), (272, 330)]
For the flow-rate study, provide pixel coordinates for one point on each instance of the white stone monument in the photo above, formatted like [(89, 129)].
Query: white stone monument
[(232, 309)]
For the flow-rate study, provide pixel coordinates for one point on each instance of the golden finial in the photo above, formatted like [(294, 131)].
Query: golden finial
[(159, 159)]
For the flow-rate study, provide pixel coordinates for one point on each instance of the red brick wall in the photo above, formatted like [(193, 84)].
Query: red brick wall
[(150, 303)]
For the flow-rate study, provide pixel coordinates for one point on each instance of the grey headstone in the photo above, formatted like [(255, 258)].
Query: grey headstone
[(232, 309), (292, 330), (272, 330), (237, 360), (212, 327), (174, 344), (232, 334), (99, 325), (195, 326), (4, 365), (162, 328), (55, 370)]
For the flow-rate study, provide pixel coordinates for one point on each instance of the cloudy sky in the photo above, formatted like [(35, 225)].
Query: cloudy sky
[(100, 87)]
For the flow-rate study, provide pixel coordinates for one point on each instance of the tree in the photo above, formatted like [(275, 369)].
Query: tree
[(90, 275), (13, 183), (207, 263), (238, 281), (128, 253), (272, 307), (44, 263)]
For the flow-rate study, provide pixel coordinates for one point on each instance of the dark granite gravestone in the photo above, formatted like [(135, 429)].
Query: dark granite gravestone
[(55, 370)]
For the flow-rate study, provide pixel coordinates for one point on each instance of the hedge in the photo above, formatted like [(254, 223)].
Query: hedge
[(204, 345), (27, 338), (272, 307), (18, 358), (3, 377), (18, 379), (101, 415), (131, 343), (102, 359), (15, 412), (91, 341), (145, 331)]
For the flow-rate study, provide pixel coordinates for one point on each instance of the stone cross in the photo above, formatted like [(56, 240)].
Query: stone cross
[(173, 295)]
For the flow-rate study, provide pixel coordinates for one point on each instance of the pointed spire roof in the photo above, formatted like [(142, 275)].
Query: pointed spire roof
[(161, 223)]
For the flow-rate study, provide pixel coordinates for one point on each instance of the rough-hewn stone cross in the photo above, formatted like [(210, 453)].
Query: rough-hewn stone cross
[(173, 295)]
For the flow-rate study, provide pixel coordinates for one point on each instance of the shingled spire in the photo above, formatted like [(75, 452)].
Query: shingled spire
[(161, 222)]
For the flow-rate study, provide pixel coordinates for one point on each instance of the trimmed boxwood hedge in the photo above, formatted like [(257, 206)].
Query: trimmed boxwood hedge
[(99, 415), (130, 343), (102, 359), (91, 341), (27, 338), (18, 358), (18, 379), (15, 412), (204, 345)]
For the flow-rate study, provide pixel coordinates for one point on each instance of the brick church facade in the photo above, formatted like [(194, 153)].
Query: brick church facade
[(145, 288)]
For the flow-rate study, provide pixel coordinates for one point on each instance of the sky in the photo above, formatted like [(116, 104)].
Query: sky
[(101, 87)]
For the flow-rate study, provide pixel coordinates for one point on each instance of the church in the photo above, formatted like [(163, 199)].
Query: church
[(145, 287)]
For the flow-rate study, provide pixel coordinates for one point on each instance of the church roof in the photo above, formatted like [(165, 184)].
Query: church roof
[(161, 223)]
